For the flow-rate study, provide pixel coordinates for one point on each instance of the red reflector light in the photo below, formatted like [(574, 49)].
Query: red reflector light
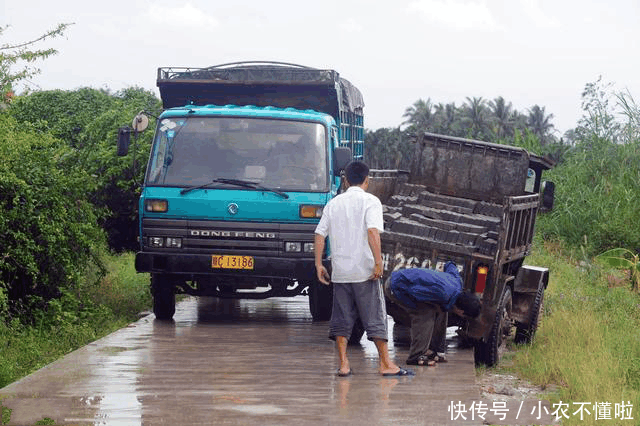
[(481, 278)]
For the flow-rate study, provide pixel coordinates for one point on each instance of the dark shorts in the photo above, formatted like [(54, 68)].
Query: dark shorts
[(364, 300)]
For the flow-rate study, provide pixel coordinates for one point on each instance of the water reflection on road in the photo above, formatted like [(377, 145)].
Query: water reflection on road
[(236, 362)]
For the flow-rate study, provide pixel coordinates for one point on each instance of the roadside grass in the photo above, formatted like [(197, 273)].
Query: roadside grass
[(587, 347), (76, 319)]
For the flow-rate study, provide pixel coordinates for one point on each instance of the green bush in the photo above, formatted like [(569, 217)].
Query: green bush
[(87, 120), (48, 228)]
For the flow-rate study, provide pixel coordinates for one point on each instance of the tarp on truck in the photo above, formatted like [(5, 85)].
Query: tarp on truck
[(261, 84)]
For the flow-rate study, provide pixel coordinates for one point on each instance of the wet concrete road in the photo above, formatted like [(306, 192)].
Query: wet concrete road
[(250, 362)]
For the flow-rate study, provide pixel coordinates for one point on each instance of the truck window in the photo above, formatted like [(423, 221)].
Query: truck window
[(285, 154)]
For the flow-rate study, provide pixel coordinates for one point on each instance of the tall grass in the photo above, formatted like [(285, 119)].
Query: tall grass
[(77, 318), (597, 183), (587, 347)]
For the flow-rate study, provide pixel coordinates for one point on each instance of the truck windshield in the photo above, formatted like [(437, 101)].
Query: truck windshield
[(288, 155)]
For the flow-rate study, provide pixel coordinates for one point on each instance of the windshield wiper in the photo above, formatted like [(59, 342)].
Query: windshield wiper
[(237, 182)]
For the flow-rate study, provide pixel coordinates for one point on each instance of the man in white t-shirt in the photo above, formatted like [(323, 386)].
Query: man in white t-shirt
[(353, 221)]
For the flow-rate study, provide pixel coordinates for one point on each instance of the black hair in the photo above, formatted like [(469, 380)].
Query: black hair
[(469, 304), (356, 172)]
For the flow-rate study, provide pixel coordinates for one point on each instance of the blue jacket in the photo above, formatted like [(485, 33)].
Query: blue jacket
[(426, 285)]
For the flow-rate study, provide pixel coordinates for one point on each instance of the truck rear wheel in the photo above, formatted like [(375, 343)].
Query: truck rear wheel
[(525, 333), (489, 352), (320, 300), (164, 297)]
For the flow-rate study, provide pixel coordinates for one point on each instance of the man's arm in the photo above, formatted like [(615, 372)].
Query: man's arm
[(318, 248), (374, 244)]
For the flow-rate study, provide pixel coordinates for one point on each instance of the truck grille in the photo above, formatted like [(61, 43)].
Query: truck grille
[(242, 238)]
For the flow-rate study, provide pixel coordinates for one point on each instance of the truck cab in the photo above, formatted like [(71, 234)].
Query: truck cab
[(245, 156)]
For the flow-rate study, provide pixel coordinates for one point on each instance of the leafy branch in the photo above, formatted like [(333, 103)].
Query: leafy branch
[(12, 54)]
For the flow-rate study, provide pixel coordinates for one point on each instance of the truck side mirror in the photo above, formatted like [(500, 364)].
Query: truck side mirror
[(124, 137), (341, 157), (548, 195)]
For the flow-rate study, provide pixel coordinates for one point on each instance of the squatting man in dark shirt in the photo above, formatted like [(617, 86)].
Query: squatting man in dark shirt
[(427, 296)]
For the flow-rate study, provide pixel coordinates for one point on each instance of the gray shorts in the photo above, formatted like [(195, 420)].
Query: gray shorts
[(353, 300)]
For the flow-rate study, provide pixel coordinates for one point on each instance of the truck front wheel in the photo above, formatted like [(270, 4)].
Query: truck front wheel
[(489, 352), (320, 300), (164, 296)]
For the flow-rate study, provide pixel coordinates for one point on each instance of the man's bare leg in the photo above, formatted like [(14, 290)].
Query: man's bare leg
[(386, 365), (341, 344)]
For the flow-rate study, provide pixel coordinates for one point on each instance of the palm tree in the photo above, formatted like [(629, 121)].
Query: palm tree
[(502, 117), (540, 124), (420, 116), (475, 117)]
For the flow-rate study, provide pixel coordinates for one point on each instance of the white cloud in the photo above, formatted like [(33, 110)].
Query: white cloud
[(457, 14), (351, 26), (184, 16), (536, 14)]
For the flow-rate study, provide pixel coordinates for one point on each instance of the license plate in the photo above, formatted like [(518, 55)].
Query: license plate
[(231, 262)]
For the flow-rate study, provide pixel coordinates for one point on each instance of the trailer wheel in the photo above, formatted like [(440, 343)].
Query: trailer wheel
[(525, 333), (164, 297), (320, 300), (489, 352)]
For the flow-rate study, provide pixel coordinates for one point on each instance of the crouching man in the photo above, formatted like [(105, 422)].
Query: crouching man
[(427, 296)]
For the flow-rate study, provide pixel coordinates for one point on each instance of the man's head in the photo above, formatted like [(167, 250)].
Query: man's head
[(357, 173), (469, 304)]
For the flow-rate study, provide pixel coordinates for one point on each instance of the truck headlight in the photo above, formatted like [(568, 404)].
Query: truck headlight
[(308, 247), (156, 241), (174, 242), (292, 246)]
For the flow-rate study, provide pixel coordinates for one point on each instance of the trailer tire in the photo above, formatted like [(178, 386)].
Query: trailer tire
[(164, 296), (320, 300), (525, 333), (488, 352)]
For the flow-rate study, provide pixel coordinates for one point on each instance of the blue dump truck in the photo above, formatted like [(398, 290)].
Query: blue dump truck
[(245, 156)]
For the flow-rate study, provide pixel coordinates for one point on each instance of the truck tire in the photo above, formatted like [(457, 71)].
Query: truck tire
[(320, 300), (488, 352), (164, 297), (357, 332), (525, 333)]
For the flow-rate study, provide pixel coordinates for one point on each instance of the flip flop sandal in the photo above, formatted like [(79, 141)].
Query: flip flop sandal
[(400, 373), (422, 360), (436, 357), (439, 358), (347, 374)]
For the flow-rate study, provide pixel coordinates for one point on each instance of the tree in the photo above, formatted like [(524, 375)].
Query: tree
[(475, 118), (502, 117), (420, 116), (23, 55), (87, 120), (540, 124)]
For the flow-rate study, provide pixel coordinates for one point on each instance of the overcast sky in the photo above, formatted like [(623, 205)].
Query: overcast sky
[(531, 52)]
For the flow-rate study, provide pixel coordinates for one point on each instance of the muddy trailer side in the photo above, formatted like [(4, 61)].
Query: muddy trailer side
[(476, 204)]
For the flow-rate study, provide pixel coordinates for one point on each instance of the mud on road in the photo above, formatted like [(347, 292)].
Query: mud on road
[(250, 362)]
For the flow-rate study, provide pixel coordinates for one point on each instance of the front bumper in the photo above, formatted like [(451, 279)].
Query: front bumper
[(302, 269)]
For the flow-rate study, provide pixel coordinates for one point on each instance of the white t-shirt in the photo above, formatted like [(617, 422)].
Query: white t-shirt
[(345, 220)]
